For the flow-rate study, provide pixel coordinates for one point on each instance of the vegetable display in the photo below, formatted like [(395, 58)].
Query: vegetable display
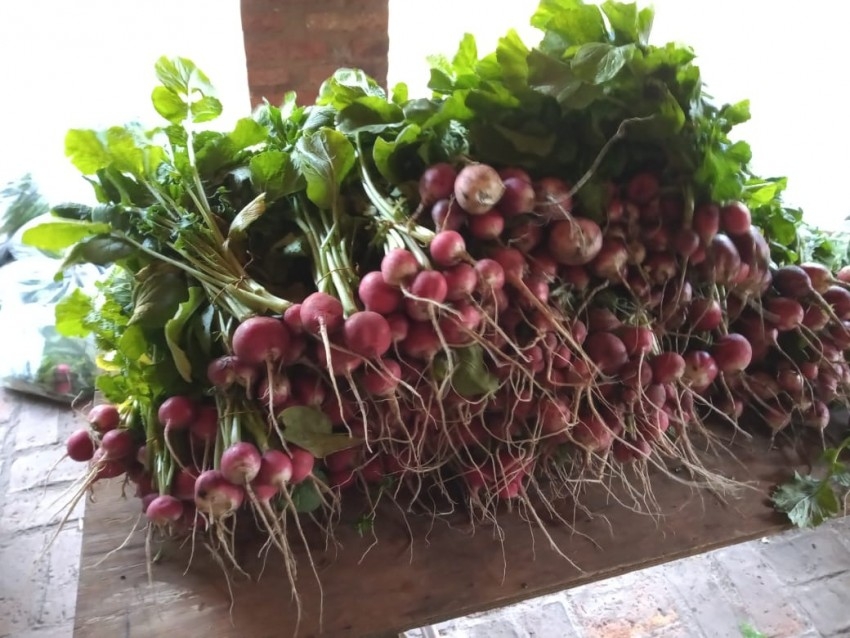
[(557, 269)]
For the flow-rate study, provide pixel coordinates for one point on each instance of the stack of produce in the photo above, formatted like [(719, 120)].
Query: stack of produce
[(555, 270)]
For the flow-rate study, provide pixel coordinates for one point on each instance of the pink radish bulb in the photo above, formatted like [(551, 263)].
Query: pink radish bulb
[(399, 325), (421, 342), (642, 188), (117, 444), (183, 486), (448, 215), (80, 446), (292, 319), (383, 381), (819, 275), (553, 199), (839, 299), (732, 353), (788, 312), (177, 412), (667, 367), (685, 242), (607, 351), (342, 362), (430, 288), (308, 389), (700, 370), (216, 496), (373, 471), (660, 268), (461, 282), (367, 333), (377, 295), (817, 416), (705, 314), (706, 222), (104, 417), (514, 172), (518, 197), (611, 261), (303, 463), (164, 510), (478, 188), (447, 248), (398, 267), (735, 218), (275, 469), (487, 226), (260, 340), (437, 182), (602, 320), (575, 241), (275, 390), (224, 371), (491, 275), (512, 261), (792, 281), (637, 339), (791, 381), (342, 459), (541, 263), (592, 433), (240, 463), (321, 314), (576, 277)]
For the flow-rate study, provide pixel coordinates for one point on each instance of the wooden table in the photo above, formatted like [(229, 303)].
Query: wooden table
[(445, 573)]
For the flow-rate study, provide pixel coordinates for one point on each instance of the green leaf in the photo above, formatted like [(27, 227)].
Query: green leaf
[(158, 292), (182, 76), (245, 217), (466, 57), (346, 86), (400, 94), (71, 313), (571, 22), (807, 501), (247, 132), (512, 58), (273, 173), (169, 104), (124, 151), (175, 326), (471, 377), (370, 114), (629, 24), (312, 430), (100, 250), (385, 152), (206, 109), (306, 496), (324, 157), (55, 235), (736, 113), (132, 343), (597, 63), (86, 151)]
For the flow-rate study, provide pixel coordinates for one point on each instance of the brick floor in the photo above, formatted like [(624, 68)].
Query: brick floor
[(796, 585)]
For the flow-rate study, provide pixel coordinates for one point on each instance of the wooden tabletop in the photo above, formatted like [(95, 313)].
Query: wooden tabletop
[(396, 585)]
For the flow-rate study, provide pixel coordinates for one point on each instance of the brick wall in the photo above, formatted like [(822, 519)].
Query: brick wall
[(296, 44)]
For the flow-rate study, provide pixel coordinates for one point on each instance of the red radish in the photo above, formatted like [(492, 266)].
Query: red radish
[(660, 268), (518, 197), (399, 325), (447, 248), (377, 295), (478, 188), (292, 319), (575, 276), (216, 496), (611, 261), (700, 370), (514, 172), (164, 510), (373, 471), (107, 468), (80, 446), (817, 416), (275, 392), (525, 237), (457, 328), (240, 463), (788, 313), (421, 342), (104, 417), (642, 188), (491, 275), (260, 340), (542, 264), (735, 218), (227, 370), (579, 330), (448, 215), (512, 261), (592, 433), (637, 339), (705, 314), (302, 465), (637, 373), (607, 351), (342, 480), (602, 320), (487, 226), (732, 353), (343, 459), (667, 367), (177, 412), (815, 318), (706, 222), (461, 281), (367, 333), (792, 281), (429, 289), (819, 275), (183, 486), (308, 389), (656, 239), (437, 182), (398, 267), (383, 381), (791, 381), (553, 198), (839, 299), (321, 314), (117, 444), (686, 242), (575, 241), (843, 274), (342, 362), (723, 261), (275, 469)]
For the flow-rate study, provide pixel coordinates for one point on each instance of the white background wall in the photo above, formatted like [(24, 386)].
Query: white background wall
[(89, 63)]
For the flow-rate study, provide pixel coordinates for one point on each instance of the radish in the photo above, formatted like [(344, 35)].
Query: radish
[(478, 188), (607, 351), (541, 263), (575, 241), (384, 380), (575, 276), (602, 320), (637, 339), (706, 222), (275, 469), (487, 226), (819, 275), (447, 248), (292, 319), (240, 463), (322, 314), (117, 444), (525, 237), (164, 510), (667, 367), (428, 289), (421, 342), (398, 267), (343, 459), (448, 215), (367, 333), (399, 325), (80, 446), (611, 261), (377, 295), (839, 299), (732, 353), (700, 370), (461, 281), (815, 318), (642, 188), (302, 465), (308, 389), (216, 496), (817, 416), (686, 242), (261, 340), (106, 468), (592, 433), (491, 275), (553, 198), (723, 261), (514, 172), (660, 267), (104, 417), (705, 314), (437, 182), (275, 390), (735, 218), (341, 363), (788, 313), (636, 373), (791, 381), (518, 197), (224, 371)]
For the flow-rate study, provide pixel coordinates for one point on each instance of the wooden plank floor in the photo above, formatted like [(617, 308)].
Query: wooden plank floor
[(447, 572)]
